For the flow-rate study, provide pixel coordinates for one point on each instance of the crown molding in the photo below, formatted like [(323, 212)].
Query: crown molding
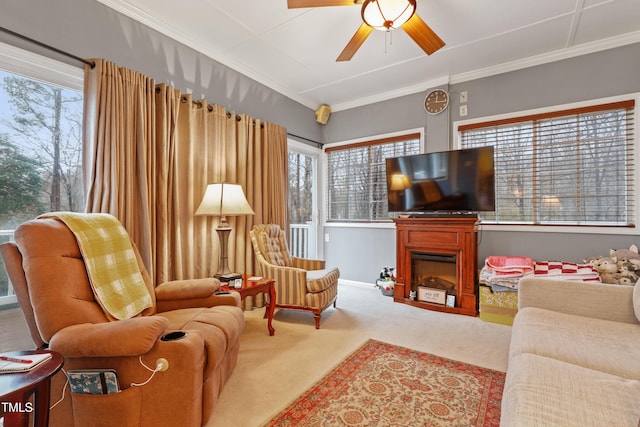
[(558, 55), (396, 93)]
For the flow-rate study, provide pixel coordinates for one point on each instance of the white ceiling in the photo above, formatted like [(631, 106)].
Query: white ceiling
[(293, 51)]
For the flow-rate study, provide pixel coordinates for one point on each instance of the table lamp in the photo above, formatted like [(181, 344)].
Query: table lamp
[(224, 200)]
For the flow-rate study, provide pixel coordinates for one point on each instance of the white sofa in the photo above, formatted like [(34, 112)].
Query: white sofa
[(574, 357)]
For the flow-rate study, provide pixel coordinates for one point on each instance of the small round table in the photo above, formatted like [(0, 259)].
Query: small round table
[(254, 286), (16, 389)]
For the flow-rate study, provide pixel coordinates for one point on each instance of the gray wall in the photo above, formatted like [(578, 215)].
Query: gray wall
[(361, 252), (89, 29)]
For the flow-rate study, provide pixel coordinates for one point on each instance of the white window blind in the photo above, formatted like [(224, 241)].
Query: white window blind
[(357, 186), (570, 167)]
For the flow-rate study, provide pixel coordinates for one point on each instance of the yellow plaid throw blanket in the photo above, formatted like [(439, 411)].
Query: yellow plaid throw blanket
[(111, 262)]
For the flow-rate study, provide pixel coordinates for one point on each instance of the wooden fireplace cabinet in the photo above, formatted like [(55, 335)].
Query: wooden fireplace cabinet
[(446, 235)]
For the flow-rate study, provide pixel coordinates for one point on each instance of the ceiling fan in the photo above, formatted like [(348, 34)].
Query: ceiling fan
[(382, 15)]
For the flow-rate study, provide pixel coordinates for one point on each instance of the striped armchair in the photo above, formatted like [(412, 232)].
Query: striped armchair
[(301, 284)]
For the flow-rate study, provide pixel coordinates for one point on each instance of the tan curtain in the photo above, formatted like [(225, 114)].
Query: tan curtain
[(119, 166), (150, 153), (260, 165), (167, 101), (192, 241)]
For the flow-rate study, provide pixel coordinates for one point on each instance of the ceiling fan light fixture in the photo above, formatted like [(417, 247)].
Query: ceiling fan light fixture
[(386, 15)]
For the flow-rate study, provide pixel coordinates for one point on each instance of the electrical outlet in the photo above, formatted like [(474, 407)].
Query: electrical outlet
[(463, 110), (326, 237), (464, 96)]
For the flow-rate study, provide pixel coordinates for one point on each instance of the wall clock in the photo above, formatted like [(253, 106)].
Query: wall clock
[(436, 101)]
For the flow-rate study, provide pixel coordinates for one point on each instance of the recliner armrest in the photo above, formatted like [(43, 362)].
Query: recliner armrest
[(130, 337), (186, 289), (194, 293)]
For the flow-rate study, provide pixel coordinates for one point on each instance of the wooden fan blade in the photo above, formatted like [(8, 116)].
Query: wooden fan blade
[(354, 44), (294, 4), (422, 34)]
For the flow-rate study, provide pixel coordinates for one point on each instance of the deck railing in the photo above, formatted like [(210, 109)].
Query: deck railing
[(299, 240)]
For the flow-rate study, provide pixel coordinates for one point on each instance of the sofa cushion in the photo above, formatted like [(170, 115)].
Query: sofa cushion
[(540, 391), (603, 345)]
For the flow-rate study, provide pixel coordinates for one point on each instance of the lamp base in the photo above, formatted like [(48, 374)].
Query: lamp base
[(227, 277)]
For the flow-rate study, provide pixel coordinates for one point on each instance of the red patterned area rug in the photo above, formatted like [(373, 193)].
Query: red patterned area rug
[(385, 385)]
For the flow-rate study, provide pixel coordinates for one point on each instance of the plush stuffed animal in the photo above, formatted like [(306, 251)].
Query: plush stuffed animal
[(622, 266), (626, 267), (626, 278), (635, 263), (625, 254), (607, 268), (591, 260)]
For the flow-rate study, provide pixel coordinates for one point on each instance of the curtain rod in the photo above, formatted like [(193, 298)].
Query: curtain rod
[(318, 144), (46, 46)]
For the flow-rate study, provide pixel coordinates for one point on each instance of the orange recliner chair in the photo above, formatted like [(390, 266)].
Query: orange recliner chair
[(48, 273)]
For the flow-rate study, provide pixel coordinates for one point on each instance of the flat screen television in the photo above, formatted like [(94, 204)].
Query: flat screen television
[(456, 181)]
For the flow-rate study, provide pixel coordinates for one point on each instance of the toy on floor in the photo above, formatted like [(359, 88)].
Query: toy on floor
[(386, 281)]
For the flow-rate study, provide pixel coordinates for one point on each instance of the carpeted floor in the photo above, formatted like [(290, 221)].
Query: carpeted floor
[(273, 371), (381, 384)]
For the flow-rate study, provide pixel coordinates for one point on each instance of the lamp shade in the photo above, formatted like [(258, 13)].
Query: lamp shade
[(387, 14), (224, 200)]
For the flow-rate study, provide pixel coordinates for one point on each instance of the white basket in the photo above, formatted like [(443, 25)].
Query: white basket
[(383, 284)]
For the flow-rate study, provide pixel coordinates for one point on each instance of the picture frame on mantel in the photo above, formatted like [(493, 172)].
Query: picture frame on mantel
[(451, 300), (432, 295)]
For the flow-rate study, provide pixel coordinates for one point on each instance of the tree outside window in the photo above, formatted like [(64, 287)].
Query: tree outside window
[(356, 175), (566, 167), (40, 149), (300, 188), (40, 153)]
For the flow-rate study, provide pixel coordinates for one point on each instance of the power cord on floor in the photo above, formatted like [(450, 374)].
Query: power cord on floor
[(64, 388)]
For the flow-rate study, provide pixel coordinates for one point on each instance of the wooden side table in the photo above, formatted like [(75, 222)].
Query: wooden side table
[(255, 287), (17, 388)]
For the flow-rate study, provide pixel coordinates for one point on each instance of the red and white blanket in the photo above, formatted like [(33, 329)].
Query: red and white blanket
[(567, 270), (506, 271)]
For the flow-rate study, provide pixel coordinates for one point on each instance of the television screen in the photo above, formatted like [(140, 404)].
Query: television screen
[(451, 181)]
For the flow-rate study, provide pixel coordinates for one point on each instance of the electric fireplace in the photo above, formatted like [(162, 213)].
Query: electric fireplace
[(436, 263)]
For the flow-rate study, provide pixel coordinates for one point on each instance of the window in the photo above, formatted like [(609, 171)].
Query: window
[(40, 149), (41, 105), (40, 141), (570, 167), (357, 186)]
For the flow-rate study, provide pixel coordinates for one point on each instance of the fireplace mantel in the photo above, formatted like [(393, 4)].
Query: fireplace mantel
[(449, 236)]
